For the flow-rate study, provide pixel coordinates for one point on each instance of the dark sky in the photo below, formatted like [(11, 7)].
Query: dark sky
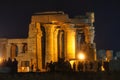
[(15, 17)]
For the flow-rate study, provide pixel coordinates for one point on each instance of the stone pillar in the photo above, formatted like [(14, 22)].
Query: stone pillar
[(49, 28), (8, 51), (60, 45), (89, 34), (32, 31), (78, 42), (38, 47), (89, 39), (91, 18), (55, 45), (95, 55), (70, 36), (20, 48)]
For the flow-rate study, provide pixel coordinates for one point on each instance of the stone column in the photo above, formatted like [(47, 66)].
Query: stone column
[(70, 45), (55, 44), (70, 36), (60, 45), (4, 50), (89, 34), (89, 39), (8, 50), (78, 42), (49, 28), (20, 48), (91, 18), (38, 47)]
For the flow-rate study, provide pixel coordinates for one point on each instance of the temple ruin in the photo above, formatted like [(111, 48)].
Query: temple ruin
[(52, 35)]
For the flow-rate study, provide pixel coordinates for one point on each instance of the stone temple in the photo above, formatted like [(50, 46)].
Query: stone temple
[(52, 35)]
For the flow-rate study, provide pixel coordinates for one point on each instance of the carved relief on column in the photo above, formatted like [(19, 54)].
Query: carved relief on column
[(49, 28)]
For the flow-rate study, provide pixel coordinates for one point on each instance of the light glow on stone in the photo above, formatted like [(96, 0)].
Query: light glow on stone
[(81, 56), (0, 60)]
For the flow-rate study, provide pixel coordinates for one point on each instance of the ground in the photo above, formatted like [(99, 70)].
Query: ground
[(62, 76)]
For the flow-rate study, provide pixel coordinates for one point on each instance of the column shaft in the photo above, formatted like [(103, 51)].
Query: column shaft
[(60, 45), (70, 44), (20, 47), (38, 47), (49, 43), (8, 51), (55, 45)]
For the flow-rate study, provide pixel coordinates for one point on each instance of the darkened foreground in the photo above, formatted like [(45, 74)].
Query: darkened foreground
[(62, 76)]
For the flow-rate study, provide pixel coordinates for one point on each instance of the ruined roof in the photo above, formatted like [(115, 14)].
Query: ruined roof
[(50, 13)]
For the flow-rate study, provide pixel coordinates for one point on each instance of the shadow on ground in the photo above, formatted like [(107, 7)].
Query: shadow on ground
[(61, 76)]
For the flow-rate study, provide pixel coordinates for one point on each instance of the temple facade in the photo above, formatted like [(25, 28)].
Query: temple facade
[(52, 35)]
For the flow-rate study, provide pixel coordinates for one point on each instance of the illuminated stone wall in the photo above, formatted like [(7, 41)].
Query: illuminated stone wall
[(54, 35)]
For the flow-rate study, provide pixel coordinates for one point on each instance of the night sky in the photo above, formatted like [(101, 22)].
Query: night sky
[(15, 17)]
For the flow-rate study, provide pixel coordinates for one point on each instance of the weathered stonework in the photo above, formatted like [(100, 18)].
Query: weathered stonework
[(52, 35)]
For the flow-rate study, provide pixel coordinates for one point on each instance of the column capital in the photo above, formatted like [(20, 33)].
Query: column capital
[(8, 45), (68, 25), (19, 44), (49, 27)]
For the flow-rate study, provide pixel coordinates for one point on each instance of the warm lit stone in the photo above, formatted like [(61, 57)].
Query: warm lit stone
[(52, 35)]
